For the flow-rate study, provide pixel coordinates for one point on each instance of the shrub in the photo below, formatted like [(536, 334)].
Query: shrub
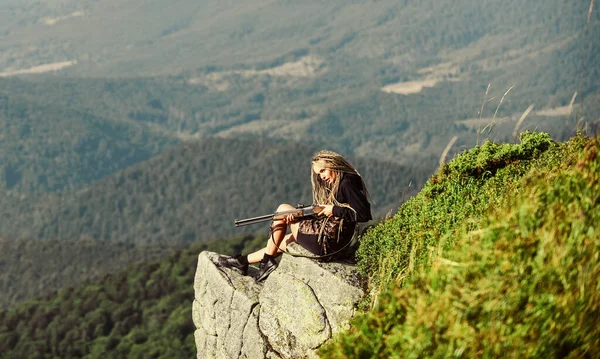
[(460, 191), (522, 282)]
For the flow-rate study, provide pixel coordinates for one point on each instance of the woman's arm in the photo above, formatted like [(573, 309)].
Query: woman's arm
[(351, 192)]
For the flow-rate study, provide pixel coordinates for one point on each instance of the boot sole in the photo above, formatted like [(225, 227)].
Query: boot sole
[(265, 274), (223, 263)]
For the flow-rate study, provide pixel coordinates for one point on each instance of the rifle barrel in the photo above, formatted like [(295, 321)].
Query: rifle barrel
[(247, 221), (299, 212)]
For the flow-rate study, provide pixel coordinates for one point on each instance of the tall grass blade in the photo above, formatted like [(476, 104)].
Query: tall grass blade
[(448, 147), (481, 111), (497, 108), (571, 105), (516, 130)]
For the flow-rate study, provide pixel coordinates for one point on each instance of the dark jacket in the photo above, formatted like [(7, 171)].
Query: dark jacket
[(351, 191)]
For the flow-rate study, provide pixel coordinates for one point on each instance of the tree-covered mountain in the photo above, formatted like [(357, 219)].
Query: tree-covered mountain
[(48, 143), (31, 268), (143, 311), (194, 192), (62, 134), (191, 192), (150, 37)]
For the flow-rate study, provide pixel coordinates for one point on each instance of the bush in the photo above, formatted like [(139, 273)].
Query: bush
[(523, 282), (460, 191)]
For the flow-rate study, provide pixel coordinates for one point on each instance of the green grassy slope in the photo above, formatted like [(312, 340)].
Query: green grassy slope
[(497, 256)]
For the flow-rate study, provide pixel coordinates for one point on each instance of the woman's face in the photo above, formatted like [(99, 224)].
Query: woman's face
[(325, 174)]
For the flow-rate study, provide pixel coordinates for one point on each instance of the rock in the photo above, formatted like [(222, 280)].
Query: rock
[(290, 315), (221, 310)]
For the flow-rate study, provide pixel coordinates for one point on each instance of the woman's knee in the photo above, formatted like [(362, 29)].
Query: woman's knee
[(284, 207)]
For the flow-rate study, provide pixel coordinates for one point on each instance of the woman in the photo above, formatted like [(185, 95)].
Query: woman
[(341, 191)]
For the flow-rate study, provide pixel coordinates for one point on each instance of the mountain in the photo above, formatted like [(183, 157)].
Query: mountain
[(194, 192), (32, 268), (138, 37), (398, 79), (143, 310), (62, 134), (49, 143), (187, 194)]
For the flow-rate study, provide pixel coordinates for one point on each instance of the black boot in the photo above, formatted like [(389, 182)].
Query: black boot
[(266, 266), (238, 262)]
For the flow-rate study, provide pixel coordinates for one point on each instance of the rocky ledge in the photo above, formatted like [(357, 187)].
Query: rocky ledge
[(289, 315)]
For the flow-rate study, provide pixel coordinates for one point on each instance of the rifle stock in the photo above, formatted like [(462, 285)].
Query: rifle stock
[(297, 212)]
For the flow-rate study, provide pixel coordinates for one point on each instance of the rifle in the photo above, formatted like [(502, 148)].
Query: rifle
[(299, 212)]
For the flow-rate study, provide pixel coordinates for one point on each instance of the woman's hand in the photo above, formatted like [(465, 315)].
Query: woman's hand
[(290, 218), (327, 210)]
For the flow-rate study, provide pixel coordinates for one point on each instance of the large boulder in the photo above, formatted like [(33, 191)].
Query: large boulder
[(289, 315)]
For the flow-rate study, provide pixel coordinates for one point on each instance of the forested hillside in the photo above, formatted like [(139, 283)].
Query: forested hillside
[(49, 142), (192, 192), (143, 311), (31, 267), (61, 135)]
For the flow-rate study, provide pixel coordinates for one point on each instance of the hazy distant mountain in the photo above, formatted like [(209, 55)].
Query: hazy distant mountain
[(391, 79), (143, 37)]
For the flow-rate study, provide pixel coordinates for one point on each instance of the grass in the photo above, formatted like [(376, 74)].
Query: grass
[(497, 256)]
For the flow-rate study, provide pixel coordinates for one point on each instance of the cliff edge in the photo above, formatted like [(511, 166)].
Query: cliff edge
[(289, 315)]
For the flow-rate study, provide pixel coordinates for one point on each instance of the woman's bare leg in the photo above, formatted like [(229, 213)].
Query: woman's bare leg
[(278, 239)]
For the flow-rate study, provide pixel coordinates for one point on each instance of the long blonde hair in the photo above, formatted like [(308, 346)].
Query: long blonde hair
[(322, 193)]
